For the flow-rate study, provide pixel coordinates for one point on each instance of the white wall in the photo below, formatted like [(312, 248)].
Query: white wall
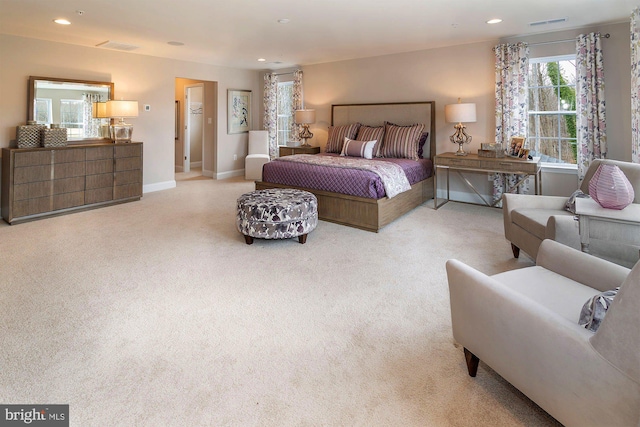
[(147, 79)]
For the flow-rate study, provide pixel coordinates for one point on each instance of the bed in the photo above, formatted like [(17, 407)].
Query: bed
[(367, 207)]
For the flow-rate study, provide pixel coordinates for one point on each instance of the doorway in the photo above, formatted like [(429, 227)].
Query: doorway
[(196, 127)]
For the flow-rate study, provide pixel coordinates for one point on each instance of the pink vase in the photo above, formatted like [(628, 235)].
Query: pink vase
[(610, 187)]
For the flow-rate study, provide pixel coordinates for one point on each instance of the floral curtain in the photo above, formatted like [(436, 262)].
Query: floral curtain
[(635, 85), (296, 104), (512, 68), (271, 112), (91, 126), (590, 108)]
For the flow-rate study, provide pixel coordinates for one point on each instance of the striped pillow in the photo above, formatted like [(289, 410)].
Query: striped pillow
[(353, 148), (400, 141), (369, 133), (337, 134)]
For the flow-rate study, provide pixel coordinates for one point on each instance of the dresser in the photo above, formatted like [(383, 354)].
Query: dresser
[(42, 182), (290, 151)]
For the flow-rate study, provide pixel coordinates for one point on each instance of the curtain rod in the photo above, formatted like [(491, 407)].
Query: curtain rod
[(282, 74), (606, 36)]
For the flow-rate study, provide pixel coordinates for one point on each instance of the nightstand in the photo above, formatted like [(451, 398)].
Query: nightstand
[(289, 151)]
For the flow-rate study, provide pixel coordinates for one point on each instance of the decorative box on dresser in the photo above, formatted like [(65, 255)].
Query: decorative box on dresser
[(42, 182)]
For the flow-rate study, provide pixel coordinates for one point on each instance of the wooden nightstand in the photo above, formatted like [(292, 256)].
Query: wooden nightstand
[(289, 151)]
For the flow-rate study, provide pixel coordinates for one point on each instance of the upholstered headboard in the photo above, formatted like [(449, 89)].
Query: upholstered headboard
[(400, 113)]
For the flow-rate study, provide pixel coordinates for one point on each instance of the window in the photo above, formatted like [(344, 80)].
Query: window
[(285, 106), (71, 112), (42, 109), (552, 108)]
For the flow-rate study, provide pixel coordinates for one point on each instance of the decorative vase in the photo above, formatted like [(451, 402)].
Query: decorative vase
[(610, 188)]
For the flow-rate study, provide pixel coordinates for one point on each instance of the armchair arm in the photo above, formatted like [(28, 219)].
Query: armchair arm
[(544, 355), (516, 201), (587, 269), (563, 229)]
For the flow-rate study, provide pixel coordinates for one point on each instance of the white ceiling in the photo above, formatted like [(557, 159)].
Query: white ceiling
[(235, 33)]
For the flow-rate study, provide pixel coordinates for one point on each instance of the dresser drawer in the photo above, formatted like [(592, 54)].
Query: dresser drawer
[(99, 153), (32, 174), (69, 156), (459, 162), (32, 158)]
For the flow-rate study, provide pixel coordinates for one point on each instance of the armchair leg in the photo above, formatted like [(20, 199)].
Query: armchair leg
[(472, 362), (515, 250)]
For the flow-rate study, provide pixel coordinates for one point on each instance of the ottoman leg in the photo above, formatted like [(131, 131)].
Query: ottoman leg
[(248, 239), (302, 238)]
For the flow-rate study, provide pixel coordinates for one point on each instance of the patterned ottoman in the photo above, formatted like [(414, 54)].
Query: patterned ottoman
[(277, 213)]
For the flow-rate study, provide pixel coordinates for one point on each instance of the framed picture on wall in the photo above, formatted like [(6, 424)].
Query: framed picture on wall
[(238, 111)]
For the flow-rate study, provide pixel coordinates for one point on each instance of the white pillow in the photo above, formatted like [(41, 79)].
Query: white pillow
[(352, 148)]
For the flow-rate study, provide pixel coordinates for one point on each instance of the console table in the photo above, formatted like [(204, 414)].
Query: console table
[(42, 182), (591, 214), (473, 163)]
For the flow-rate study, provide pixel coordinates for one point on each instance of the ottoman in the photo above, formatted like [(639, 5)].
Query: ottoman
[(277, 213)]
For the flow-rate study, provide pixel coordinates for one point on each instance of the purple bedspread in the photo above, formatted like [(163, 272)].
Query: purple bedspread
[(354, 182)]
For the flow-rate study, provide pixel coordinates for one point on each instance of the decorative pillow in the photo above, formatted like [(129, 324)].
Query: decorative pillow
[(353, 148), (571, 202), (369, 133), (400, 141), (593, 311), (337, 134), (423, 140)]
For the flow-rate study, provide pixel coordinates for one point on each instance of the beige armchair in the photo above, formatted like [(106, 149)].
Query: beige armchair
[(524, 325), (528, 219), (258, 154)]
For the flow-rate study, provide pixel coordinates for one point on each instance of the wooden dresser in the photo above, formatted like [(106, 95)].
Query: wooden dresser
[(42, 182)]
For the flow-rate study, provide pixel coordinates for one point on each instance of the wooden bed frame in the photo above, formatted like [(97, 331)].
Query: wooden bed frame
[(373, 214)]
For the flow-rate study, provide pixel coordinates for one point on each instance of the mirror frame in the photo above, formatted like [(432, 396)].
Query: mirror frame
[(32, 94)]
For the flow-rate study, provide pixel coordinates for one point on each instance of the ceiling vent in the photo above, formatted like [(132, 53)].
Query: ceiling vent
[(548, 21), (117, 46)]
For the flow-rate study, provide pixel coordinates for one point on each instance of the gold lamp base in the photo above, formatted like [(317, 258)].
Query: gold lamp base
[(460, 137), (304, 135)]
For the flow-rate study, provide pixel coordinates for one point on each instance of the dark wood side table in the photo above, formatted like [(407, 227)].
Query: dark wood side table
[(473, 163), (290, 151)]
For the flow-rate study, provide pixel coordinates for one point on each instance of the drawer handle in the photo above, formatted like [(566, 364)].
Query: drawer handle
[(505, 164)]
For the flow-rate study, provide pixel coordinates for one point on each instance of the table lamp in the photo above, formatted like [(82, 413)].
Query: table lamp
[(460, 113), (305, 117), (121, 131)]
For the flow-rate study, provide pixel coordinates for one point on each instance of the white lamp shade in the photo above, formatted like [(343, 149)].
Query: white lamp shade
[(460, 113), (117, 108), (305, 116)]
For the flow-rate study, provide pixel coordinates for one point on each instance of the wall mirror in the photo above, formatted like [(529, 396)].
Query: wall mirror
[(74, 104)]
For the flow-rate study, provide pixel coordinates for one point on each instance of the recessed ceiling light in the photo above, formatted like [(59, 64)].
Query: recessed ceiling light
[(62, 21), (261, 60), (176, 43), (494, 21), (283, 21)]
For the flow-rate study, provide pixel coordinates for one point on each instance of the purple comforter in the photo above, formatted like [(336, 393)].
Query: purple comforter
[(354, 182)]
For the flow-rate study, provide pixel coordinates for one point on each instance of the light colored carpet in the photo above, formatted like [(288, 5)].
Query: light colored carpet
[(156, 313)]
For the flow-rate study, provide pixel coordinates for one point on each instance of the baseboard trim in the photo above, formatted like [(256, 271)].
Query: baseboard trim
[(179, 168), (230, 174), (196, 164), (159, 186), (207, 173)]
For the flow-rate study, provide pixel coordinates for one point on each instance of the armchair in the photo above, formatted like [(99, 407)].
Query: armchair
[(258, 154), (528, 219), (524, 325)]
